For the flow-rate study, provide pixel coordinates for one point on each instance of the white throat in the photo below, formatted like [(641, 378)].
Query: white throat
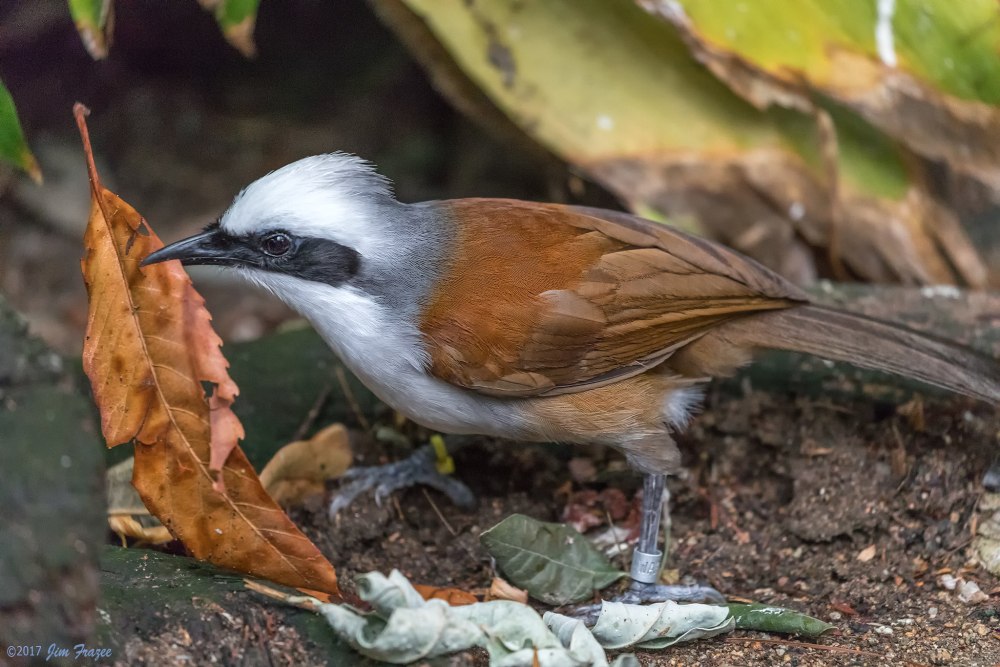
[(386, 352)]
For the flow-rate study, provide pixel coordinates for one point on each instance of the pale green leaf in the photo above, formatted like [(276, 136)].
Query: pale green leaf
[(651, 626), (776, 619), (553, 562)]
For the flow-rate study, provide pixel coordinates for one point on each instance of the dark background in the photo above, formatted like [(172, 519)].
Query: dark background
[(181, 121)]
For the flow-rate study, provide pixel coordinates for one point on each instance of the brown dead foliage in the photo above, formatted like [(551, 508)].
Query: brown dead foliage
[(149, 348)]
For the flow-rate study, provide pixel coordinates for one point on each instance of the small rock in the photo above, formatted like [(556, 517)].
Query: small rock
[(932, 612), (866, 554), (834, 615), (947, 581), (970, 593), (883, 630)]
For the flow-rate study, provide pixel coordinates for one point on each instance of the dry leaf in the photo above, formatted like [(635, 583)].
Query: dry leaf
[(149, 347), (453, 596), (127, 516), (300, 468), (125, 525), (501, 589)]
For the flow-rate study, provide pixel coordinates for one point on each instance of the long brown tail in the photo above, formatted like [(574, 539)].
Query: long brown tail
[(870, 343)]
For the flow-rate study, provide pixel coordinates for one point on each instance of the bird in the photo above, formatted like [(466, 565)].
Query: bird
[(538, 322)]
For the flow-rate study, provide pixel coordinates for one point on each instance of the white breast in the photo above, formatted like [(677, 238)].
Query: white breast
[(387, 354)]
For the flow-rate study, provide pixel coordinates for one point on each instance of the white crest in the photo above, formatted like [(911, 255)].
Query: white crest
[(329, 196)]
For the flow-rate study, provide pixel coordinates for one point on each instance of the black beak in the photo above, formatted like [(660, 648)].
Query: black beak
[(213, 246)]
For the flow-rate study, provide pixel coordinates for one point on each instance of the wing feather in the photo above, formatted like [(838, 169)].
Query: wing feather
[(591, 296)]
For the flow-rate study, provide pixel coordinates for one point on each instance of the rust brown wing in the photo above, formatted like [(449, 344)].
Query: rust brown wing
[(541, 299)]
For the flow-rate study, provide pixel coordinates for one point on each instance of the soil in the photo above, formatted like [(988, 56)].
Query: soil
[(842, 510)]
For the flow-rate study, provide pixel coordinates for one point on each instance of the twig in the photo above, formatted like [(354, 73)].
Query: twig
[(313, 413), (438, 512), (351, 399), (300, 601)]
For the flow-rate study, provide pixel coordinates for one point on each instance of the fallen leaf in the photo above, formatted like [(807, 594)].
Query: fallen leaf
[(403, 628), (501, 589), (866, 554), (300, 468), (658, 625), (149, 346), (776, 619), (132, 526), (127, 516), (453, 596), (553, 562)]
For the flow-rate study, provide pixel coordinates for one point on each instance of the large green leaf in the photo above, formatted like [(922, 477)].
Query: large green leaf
[(614, 91), (925, 72), (553, 562), (13, 147), (94, 20)]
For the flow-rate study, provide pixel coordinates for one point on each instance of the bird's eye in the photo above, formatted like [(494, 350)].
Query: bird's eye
[(276, 244)]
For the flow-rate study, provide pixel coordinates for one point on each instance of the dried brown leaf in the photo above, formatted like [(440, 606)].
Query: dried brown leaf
[(501, 589), (453, 596), (300, 468), (149, 346)]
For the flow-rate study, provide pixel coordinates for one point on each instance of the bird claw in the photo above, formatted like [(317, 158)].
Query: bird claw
[(419, 468), (639, 593)]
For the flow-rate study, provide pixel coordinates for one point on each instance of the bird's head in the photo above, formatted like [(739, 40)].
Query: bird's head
[(318, 220)]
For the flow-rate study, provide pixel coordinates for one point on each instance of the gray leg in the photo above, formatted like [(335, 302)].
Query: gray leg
[(647, 558)]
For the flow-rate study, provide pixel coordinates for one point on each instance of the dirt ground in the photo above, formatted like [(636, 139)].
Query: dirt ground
[(784, 497), (838, 509)]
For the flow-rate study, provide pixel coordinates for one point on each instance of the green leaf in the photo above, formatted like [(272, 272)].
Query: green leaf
[(237, 19), (776, 619), (614, 90), (13, 147), (925, 72), (553, 562), (94, 20)]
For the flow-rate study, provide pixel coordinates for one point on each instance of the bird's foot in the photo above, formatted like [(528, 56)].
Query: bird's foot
[(640, 593), (419, 468)]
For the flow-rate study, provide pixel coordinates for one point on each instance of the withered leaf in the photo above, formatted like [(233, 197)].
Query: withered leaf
[(149, 346), (453, 596), (300, 468)]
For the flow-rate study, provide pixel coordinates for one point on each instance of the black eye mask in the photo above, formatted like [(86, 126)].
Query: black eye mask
[(309, 258)]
